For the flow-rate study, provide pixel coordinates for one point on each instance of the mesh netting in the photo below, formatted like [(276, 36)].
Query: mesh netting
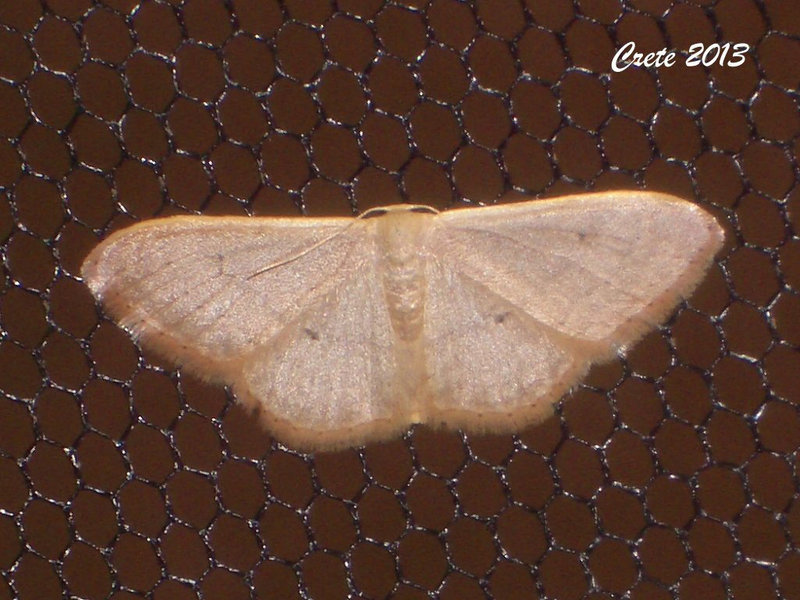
[(671, 472)]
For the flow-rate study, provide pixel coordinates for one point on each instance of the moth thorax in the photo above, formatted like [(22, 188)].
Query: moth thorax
[(404, 289), (400, 236)]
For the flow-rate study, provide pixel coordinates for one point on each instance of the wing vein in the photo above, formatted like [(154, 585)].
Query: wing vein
[(553, 254)]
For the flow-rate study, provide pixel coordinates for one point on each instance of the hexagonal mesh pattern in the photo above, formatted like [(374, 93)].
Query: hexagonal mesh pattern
[(671, 472)]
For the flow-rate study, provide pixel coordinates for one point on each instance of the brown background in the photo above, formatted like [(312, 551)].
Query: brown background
[(670, 473)]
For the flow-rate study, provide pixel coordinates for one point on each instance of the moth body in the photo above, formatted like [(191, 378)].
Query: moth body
[(401, 238)]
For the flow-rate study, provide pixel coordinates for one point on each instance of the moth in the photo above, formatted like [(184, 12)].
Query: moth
[(341, 331)]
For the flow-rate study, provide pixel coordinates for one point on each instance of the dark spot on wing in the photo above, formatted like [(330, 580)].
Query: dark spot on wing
[(314, 335), (500, 317)]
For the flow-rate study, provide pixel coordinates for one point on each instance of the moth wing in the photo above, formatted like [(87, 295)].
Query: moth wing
[(489, 363), (599, 268), (207, 291), (523, 298), (332, 378)]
